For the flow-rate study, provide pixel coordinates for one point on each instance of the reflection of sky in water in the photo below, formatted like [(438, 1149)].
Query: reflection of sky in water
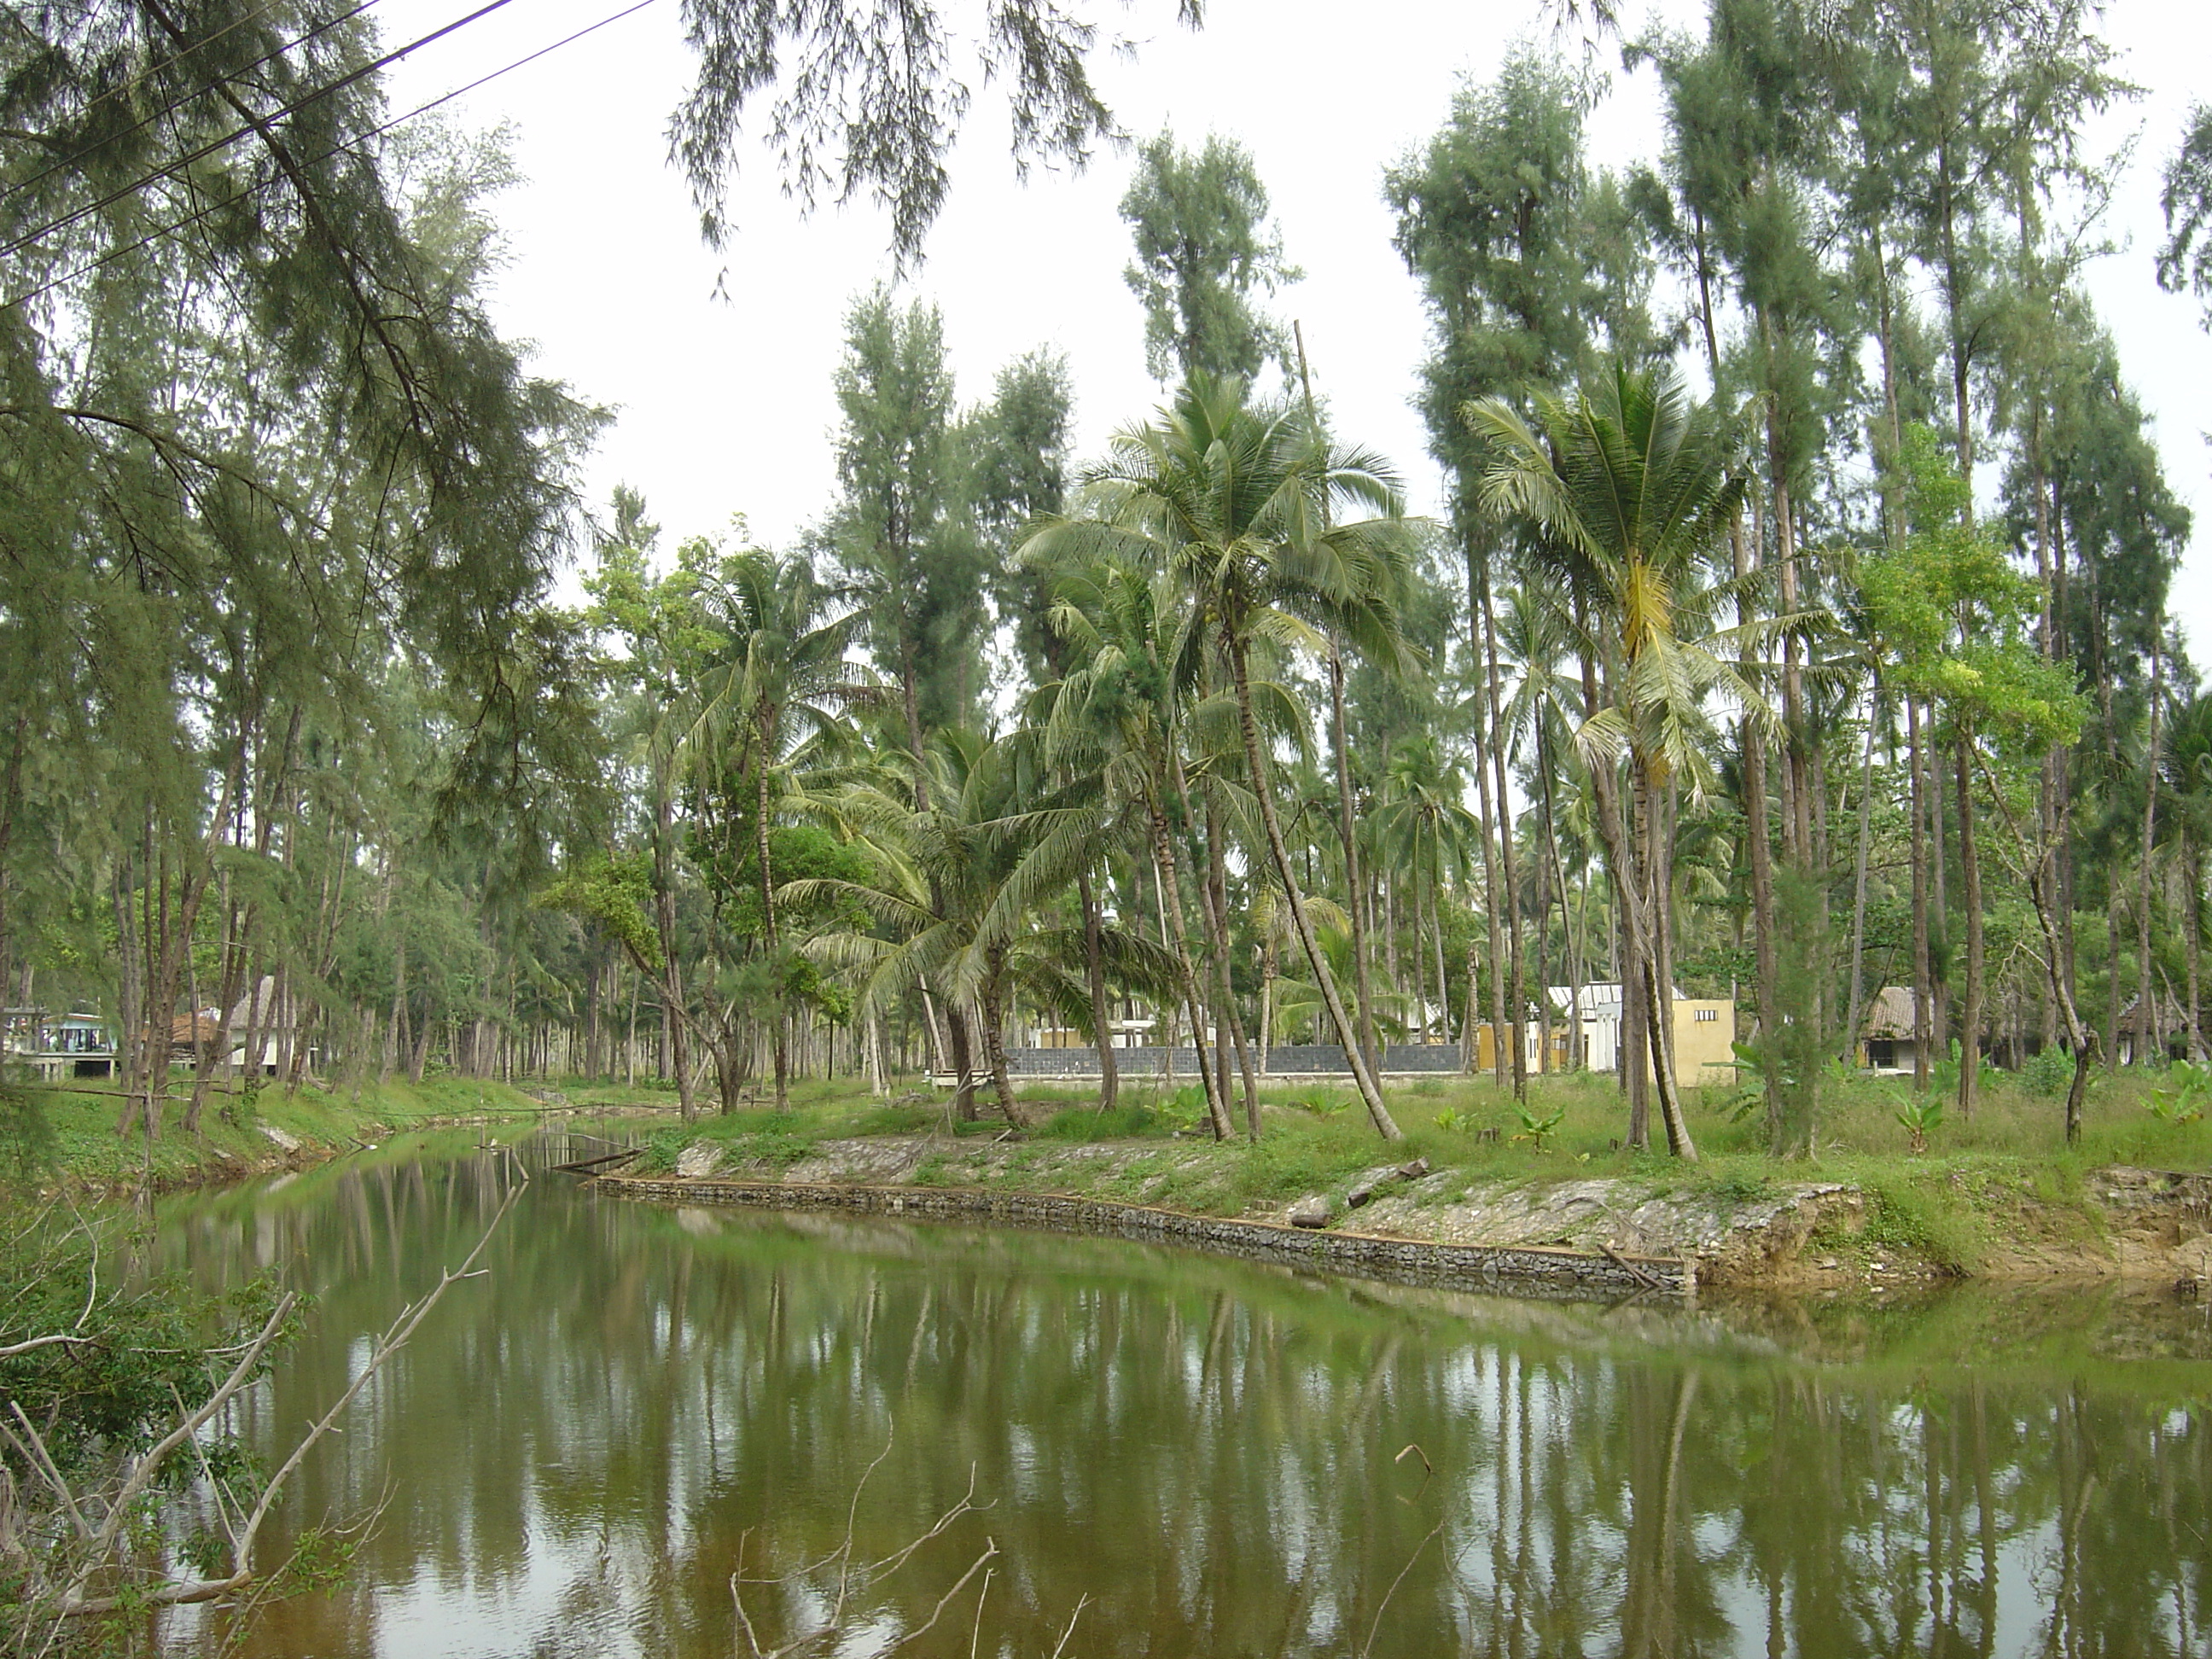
[(1210, 1451)]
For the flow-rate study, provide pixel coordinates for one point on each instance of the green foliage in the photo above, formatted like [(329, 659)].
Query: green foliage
[(139, 1347), (29, 1149), (1921, 1116), (1452, 1120), (1537, 1126), (2187, 1093), (1957, 614), (1186, 1108), (2047, 1074), (617, 894), (1088, 1123), (1794, 1050), (1943, 1073), (1204, 246)]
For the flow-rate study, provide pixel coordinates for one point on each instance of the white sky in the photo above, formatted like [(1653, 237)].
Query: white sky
[(724, 407)]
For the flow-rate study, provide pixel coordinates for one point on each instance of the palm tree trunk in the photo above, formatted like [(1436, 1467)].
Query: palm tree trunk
[(994, 1001), (1110, 1076), (1354, 887), (963, 1060), (768, 910), (1217, 1113), (1495, 906), (1517, 989), (1362, 1074), (1217, 899), (1659, 971)]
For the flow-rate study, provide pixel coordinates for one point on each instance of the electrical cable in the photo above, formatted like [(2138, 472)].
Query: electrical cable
[(170, 108), (214, 207), (215, 144)]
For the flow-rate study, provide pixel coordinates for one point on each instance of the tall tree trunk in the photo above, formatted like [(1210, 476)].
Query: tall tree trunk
[(1970, 872), (1923, 973), (963, 1060), (1362, 1074), (1355, 885), (1517, 988), (766, 723), (2193, 911), (1659, 968), (1854, 1017), (1163, 861), (1217, 899), (2150, 1036), (1094, 962), (995, 1032)]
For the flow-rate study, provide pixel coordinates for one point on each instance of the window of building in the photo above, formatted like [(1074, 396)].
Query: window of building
[(1707, 1015)]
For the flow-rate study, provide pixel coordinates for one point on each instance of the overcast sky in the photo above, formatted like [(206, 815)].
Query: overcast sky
[(723, 406)]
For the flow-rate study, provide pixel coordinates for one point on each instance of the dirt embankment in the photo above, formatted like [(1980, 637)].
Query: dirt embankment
[(2127, 1222)]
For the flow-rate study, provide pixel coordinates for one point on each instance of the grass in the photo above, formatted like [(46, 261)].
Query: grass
[(64, 1133), (2006, 1170)]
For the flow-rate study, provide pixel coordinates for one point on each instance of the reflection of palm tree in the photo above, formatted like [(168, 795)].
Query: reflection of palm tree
[(1232, 501), (1630, 489)]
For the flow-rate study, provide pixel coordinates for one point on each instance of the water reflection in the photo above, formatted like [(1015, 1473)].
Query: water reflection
[(574, 1450)]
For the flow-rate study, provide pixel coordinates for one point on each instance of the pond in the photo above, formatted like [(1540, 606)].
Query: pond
[(1180, 1454)]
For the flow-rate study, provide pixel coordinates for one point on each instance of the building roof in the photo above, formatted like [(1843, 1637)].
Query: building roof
[(262, 1008), (1891, 1016), (2165, 1009), (1600, 1000)]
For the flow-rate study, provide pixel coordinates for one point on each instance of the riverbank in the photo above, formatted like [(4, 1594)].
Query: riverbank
[(2002, 1198), (59, 1140)]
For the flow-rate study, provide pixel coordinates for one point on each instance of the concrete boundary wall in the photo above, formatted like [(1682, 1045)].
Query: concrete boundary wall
[(1287, 1061), (1537, 1271)]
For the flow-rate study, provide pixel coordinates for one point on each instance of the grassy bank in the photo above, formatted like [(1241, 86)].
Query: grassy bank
[(2002, 1184), (64, 1136)]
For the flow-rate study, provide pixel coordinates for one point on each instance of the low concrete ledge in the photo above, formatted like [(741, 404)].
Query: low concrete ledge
[(1525, 1270)]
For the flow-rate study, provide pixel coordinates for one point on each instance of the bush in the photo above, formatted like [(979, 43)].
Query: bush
[(1088, 1123), (2047, 1075)]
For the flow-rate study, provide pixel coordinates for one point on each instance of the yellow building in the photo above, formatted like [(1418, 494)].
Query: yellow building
[(1705, 1034)]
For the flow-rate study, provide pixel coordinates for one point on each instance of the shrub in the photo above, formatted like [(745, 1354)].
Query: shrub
[(1088, 1123), (2047, 1074)]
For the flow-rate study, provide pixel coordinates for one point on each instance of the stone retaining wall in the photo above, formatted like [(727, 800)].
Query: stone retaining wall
[(1515, 1270)]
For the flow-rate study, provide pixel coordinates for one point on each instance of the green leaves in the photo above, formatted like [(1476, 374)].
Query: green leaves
[(617, 894), (1954, 613)]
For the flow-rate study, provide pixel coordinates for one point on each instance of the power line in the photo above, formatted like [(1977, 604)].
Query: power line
[(215, 207), (232, 137), (53, 167)]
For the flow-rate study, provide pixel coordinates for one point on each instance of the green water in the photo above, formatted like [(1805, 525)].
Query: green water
[(1206, 1457)]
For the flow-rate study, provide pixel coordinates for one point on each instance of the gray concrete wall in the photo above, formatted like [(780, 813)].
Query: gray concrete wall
[(1284, 1058)]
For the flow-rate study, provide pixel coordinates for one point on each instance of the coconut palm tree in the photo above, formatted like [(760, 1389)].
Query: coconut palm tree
[(1238, 505), (775, 691), (955, 890), (1627, 491), (1425, 824), (1113, 718)]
